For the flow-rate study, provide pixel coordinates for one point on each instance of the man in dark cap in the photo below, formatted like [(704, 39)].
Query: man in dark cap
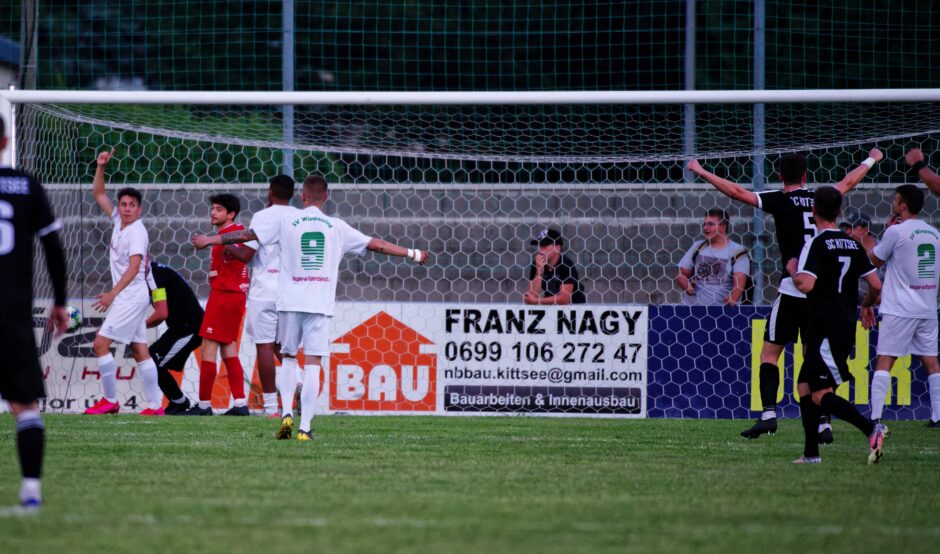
[(553, 279)]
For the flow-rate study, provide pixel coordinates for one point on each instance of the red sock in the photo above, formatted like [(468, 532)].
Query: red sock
[(236, 377), (207, 373)]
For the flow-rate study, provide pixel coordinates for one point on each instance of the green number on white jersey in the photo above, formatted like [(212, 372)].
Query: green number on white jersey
[(312, 246), (927, 255)]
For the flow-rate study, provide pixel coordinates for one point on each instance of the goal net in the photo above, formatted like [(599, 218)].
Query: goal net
[(473, 179)]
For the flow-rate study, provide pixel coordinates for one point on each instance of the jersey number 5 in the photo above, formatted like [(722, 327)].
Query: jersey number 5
[(7, 233), (312, 248)]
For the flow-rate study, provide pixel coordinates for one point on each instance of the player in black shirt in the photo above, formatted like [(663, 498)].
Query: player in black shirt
[(828, 271), (173, 302), (791, 209), (25, 213), (553, 278)]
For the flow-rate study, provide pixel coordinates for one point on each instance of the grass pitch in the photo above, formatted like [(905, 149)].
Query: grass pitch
[(506, 484)]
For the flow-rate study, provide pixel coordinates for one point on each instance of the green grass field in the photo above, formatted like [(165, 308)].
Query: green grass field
[(415, 484)]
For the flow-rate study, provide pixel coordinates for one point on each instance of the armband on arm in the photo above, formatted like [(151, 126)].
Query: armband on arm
[(158, 294)]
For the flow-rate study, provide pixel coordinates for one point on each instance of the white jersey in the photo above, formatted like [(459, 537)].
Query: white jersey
[(130, 241), (266, 264), (909, 250), (311, 247)]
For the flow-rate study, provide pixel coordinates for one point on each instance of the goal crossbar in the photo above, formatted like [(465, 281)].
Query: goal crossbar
[(471, 98)]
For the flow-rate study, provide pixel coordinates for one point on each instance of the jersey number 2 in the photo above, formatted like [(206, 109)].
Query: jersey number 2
[(312, 248), (926, 255), (7, 233)]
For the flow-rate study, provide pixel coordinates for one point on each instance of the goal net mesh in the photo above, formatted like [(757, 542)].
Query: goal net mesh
[(473, 185)]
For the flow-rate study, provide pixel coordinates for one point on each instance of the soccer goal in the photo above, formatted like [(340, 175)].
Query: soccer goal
[(474, 177)]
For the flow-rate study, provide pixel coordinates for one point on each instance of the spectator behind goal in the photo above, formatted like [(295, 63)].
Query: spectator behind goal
[(716, 270)]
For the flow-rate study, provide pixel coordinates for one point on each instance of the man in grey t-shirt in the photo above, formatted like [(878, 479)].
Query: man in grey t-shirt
[(715, 270)]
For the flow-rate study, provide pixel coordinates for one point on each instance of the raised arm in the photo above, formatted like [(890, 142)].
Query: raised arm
[(97, 189), (855, 176), (724, 186), (385, 247), (915, 159)]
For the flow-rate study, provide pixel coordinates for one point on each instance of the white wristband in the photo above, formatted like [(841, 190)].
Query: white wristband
[(414, 254), (411, 253), (869, 161)]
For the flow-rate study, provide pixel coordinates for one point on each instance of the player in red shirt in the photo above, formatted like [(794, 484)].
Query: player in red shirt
[(228, 277)]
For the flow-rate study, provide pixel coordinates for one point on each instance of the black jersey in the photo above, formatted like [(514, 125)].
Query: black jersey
[(565, 273), (793, 217), (838, 262), (24, 213), (185, 313)]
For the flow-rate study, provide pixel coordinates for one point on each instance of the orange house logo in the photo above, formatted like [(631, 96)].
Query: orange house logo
[(383, 365)]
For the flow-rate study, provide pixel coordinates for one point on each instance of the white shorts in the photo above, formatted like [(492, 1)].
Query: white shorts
[(126, 321), (311, 331), (899, 336), (261, 321)]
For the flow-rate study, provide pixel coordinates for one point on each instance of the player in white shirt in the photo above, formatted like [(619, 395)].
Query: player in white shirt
[(261, 315), (909, 252), (311, 247), (127, 302)]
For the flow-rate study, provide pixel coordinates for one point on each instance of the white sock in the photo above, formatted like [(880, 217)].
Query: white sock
[(880, 384), (769, 414), (240, 402), (179, 400), (822, 427), (148, 375), (308, 395), (203, 404), (108, 370), (933, 385), (286, 380), (30, 488), (270, 403)]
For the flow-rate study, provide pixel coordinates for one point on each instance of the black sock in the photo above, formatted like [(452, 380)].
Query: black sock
[(769, 382), (841, 408), (30, 441), (810, 416), (168, 384), (824, 418)]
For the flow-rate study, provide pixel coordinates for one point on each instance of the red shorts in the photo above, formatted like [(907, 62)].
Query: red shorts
[(224, 312)]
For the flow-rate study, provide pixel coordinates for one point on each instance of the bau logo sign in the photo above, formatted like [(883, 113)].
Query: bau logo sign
[(385, 366)]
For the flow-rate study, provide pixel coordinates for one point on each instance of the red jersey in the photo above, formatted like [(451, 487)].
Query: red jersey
[(227, 273)]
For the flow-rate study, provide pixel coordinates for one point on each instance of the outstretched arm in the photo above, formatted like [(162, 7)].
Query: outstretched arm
[(915, 159), (385, 247), (724, 186), (235, 237), (97, 189), (855, 176)]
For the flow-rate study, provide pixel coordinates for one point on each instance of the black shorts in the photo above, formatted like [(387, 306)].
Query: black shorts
[(21, 378), (826, 361), (171, 350), (787, 320)]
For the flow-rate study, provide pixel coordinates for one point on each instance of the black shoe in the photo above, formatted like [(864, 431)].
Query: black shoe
[(933, 424), (177, 409), (825, 436), (762, 426), (197, 411), (237, 411)]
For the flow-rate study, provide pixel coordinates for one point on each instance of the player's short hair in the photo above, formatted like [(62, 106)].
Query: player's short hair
[(282, 187), (792, 168), (228, 201), (722, 217), (827, 202), (912, 197), (316, 187), (133, 193)]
